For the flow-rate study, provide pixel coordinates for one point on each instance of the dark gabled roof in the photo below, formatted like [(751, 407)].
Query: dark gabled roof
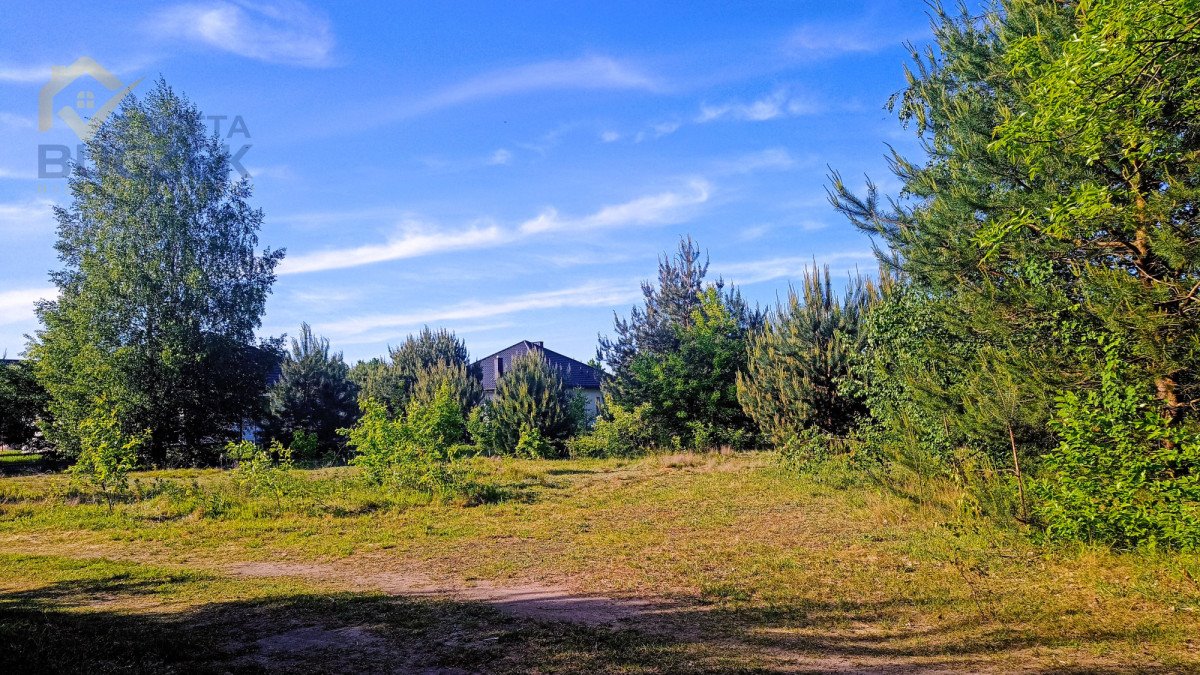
[(576, 374)]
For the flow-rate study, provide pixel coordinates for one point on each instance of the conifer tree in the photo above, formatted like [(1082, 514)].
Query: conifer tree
[(314, 393), (799, 364), (531, 401)]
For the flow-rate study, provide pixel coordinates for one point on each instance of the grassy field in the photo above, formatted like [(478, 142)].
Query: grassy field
[(679, 563)]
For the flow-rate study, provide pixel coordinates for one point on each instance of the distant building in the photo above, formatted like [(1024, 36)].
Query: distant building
[(575, 374)]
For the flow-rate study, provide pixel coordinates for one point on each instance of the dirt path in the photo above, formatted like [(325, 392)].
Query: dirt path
[(527, 600)]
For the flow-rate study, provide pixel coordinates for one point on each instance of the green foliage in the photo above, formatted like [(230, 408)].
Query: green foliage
[(532, 402), (378, 380), (480, 429), (619, 432), (161, 289), (23, 402), (680, 353), (107, 454), (305, 446), (532, 444), (394, 383), (314, 395), (264, 473), (465, 389), (1054, 212), (1122, 473), (375, 439), (414, 452), (799, 364)]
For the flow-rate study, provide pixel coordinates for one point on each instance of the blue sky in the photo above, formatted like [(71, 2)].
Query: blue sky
[(507, 170)]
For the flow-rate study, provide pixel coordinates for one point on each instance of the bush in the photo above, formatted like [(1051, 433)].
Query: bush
[(1121, 473), (620, 432), (107, 454), (413, 452), (263, 473), (800, 362)]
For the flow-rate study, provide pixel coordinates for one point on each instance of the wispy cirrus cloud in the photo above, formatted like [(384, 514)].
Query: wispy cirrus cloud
[(777, 159), (279, 31), (592, 294), (792, 267), (28, 217), (414, 239), (586, 73), (817, 41), (665, 207), (25, 74), (16, 306), (12, 121), (779, 103)]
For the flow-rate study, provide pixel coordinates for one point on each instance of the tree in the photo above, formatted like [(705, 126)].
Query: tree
[(531, 408), (466, 389), (800, 364), (314, 393), (680, 353), (23, 402), (392, 383), (161, 288), (1054, 214), (377, 380)]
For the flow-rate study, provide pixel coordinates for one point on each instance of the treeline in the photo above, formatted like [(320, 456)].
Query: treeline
[(1032, 336)]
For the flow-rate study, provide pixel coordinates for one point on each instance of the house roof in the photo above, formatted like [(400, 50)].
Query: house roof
[(575, 374)]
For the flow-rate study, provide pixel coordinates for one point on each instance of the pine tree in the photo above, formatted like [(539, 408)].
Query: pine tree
[(801, 361), (680, 352), (314, 394), (531, 400)]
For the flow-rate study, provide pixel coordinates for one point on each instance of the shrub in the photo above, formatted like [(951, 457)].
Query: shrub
[(413, 452), (620, 432), (532, 444), (107, 454), (480, 429), (264, 473), (1121, 473)]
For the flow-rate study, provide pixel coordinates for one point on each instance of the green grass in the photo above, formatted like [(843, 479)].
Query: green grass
[(760, 570)]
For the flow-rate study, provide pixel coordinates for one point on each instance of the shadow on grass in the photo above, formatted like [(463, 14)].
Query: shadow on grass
[(130, 621), (24, 464)]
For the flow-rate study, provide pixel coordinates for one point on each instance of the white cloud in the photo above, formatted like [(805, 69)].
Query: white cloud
[(828, 40), (12, 121), (17, 306), (280, 31), (29, 217), (274, 171), (792, 267), (665, 207), (415, 239), (500, 157), (610, 136), (38, 74), (771, 158), (592, 72), (780, 103), (594, 294)]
